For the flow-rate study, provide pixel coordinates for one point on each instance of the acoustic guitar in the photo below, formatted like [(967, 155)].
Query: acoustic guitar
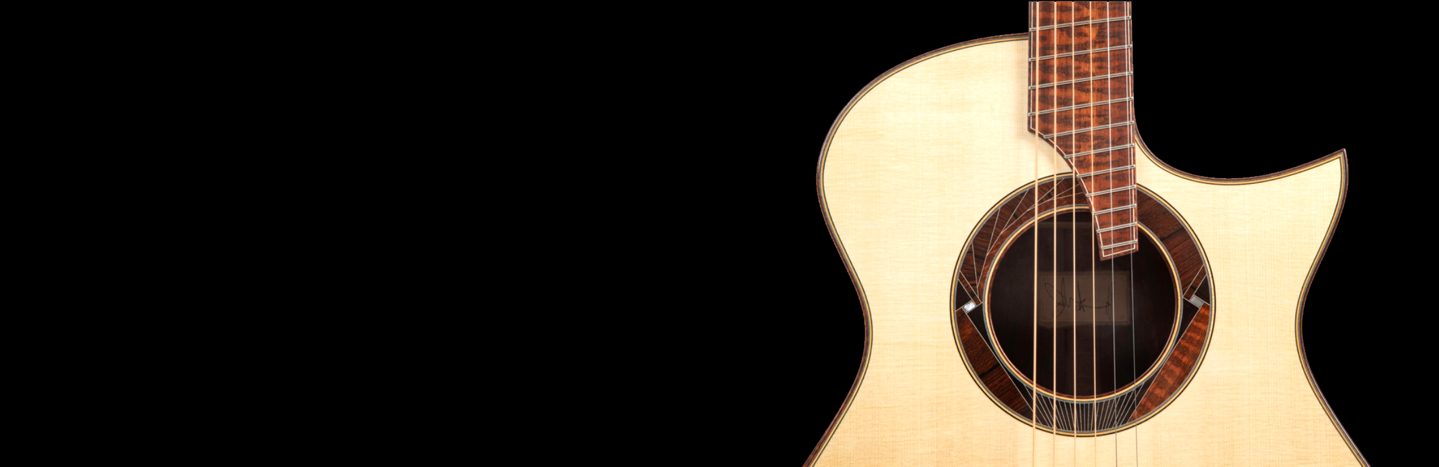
[(1039, 288)]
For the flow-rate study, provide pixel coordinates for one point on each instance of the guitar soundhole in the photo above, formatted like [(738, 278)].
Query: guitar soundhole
[(1117, 339), (1102, 325)]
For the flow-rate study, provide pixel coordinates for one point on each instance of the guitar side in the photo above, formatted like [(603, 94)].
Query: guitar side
[(913, 164)]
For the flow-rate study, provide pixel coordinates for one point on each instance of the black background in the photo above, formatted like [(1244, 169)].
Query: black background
[(740, 103)]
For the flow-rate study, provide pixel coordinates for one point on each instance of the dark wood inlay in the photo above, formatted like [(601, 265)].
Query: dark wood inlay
[(987, 366), (1177, 240), (1177, 368), (1005, 222)]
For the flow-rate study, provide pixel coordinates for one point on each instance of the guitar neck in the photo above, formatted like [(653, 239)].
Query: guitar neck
[(1081, 103)]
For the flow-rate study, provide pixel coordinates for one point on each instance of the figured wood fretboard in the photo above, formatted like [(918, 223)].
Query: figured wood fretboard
[(1080, 102)]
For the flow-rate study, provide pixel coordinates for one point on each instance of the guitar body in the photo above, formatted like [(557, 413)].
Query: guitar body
[(910, 171)]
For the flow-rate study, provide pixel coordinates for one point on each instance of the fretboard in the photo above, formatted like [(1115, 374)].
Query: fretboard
[(1080, 102)]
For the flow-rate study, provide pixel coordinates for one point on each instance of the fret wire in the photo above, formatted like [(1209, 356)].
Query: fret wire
[(1093, 151), (1082, 130), (1079, 23), (1120, 244), (1082, 106), (1078, 52), (1112, 190), (1080, 80), (1115, 209), (1105, 171), (1115, 227)]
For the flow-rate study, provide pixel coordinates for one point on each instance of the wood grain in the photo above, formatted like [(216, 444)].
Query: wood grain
[(984, 362), (914, 163), (1079, 101), (1176, 369)]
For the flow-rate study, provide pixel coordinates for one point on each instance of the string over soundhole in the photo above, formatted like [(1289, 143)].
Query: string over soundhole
[(1080, 344), (1086, 309)]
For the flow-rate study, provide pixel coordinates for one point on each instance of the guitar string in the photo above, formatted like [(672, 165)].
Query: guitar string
[(1055, 193), (1111, 413), (1099, 240), (1074, 252), (1034, 340), (1093, 314), (1113, 347), (1114, 384), (1054, 256), (1134, 195), (1113, 305), (1096, 409)]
